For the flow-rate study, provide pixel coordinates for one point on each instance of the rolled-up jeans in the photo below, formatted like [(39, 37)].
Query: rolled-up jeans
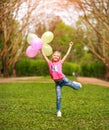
[(59, 84)]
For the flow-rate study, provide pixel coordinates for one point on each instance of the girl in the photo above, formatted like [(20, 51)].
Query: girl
[(55, 69)]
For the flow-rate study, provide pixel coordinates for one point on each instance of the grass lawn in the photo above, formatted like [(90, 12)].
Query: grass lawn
[(31, 106)]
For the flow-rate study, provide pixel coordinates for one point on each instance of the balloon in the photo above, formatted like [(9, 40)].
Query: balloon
[(36, 43), (47, 37), (30, 37), (47, 49), (30, 52)]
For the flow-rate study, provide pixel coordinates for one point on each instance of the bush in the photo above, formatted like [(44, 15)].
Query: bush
[(69, 68), (31, 68), (22, 67), (95, 69), (40, 68)]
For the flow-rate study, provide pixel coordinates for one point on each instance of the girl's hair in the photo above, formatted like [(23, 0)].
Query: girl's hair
[(57, 52)]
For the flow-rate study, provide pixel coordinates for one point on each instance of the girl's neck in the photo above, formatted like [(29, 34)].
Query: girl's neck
[(55, 61)]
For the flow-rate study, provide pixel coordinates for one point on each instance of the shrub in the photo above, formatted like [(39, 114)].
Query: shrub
[(39, 67), (95, 69), (22, 68), (31, 68), (69, 68)]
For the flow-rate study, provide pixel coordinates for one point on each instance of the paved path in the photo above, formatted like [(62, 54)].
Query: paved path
[(25, 79), (83, 80), (87, 80)]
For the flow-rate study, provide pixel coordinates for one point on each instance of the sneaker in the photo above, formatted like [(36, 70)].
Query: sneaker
[(80, 85), (59, 114)]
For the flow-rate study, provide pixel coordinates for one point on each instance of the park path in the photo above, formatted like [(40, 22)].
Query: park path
[(95, 81), (39, 79), (83, 80)]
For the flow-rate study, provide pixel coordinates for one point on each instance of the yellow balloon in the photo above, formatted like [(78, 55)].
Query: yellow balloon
[(47, 37), (47, 49), (31, 36)]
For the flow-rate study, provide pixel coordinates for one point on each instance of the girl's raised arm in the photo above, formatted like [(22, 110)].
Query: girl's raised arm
[(68, 51), (44, 56)]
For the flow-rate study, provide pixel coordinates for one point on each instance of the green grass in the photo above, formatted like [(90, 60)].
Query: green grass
[(31, 106)]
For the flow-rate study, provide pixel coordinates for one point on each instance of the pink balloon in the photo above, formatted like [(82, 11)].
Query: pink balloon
[(30, 52), (36, 43)]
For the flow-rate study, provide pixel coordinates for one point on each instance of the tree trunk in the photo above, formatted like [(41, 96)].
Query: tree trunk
[(5, 71), (107, 71), (14, 70)]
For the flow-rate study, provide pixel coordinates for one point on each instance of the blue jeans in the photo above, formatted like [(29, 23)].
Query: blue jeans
[(59, 84)]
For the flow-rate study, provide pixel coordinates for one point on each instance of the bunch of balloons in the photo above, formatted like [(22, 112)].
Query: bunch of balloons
[(36, 43)]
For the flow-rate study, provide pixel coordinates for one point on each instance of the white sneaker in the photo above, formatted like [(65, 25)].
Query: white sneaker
[(59, 114), (80, 85)]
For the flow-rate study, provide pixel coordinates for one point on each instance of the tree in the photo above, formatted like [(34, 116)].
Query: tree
[(95, 14), (65, 34), (12, 32), (18, 17)]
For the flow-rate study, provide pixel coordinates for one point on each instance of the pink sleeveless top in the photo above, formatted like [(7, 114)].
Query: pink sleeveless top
[(55, 69)]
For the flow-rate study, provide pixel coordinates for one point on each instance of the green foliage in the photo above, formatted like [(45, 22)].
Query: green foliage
[(94, 69), (22, 68), (1, 41), (87, 58), (69, 68), (31, 106), (27, 67), (63, 35), (31, 67)]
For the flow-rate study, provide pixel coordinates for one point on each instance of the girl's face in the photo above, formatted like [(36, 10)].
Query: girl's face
[(56, 56)]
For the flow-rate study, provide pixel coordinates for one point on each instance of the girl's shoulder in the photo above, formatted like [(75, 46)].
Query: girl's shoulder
[(58, 62)]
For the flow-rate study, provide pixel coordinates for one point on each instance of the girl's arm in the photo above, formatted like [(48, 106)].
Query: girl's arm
[(68, 51), (44, 56)]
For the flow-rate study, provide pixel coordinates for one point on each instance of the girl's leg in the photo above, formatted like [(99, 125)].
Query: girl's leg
[(72, 84), (58, 97)]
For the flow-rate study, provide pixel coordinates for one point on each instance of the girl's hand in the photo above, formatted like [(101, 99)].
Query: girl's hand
[(71, 44), (68, 51)]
